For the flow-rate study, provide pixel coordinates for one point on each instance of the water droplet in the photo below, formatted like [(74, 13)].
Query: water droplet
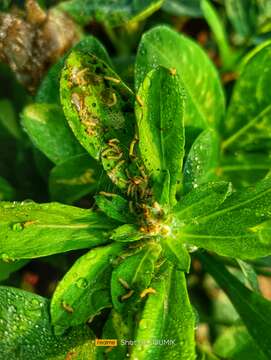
[(17, 227), (82, 283), (27, 201), (2, 321), (7, 258), (35, 304), (12, 309)]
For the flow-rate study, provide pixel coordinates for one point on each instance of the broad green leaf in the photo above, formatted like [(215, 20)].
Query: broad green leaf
[(219, 32), (244, 168), (76, 177), (202, 160), (26, 332), (240, 227), (235, 343), (161, 127), (111, 13), (254, 310), (127, 233), (205, 104), (133, 276), (6, 269), (248, 56), (243, 16), (116, 207), (97, 105), (247, 124), (249, 274), (175, 251), (8, 119), (202, 200), (117, 327), (48, 91), (183, 7), (6, 190), (167, 316), (30, 230), (85, 289), (46, 126)]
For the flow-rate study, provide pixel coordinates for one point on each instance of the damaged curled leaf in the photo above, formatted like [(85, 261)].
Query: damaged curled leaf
[(98, 107)]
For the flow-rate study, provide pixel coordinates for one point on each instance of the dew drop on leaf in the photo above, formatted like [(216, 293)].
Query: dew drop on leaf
[(6, 258), (17, 227), (82, 283)]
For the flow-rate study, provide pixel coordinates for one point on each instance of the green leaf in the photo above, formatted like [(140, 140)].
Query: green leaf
[(85, 289), (219, 32), (25, 326), (133, 276), (167, 316), (235, 343), (250, 275), (8, 119), (176, 253), (202, 160), (201, 201), (243, 16), (46, 126), (264, 15), (183, 7), (6, 190), (240, 227), (48, 91), (108, 12), (30, 230), (117, 327), (116, 207), (247, 125), (254, 310), (127, 233), (76, 177), (160, 126), (244, 168), (6, 269), (100, 113), (205, 104)]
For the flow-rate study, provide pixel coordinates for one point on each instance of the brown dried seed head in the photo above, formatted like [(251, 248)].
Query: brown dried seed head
[(31, 42), (35, 14)]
